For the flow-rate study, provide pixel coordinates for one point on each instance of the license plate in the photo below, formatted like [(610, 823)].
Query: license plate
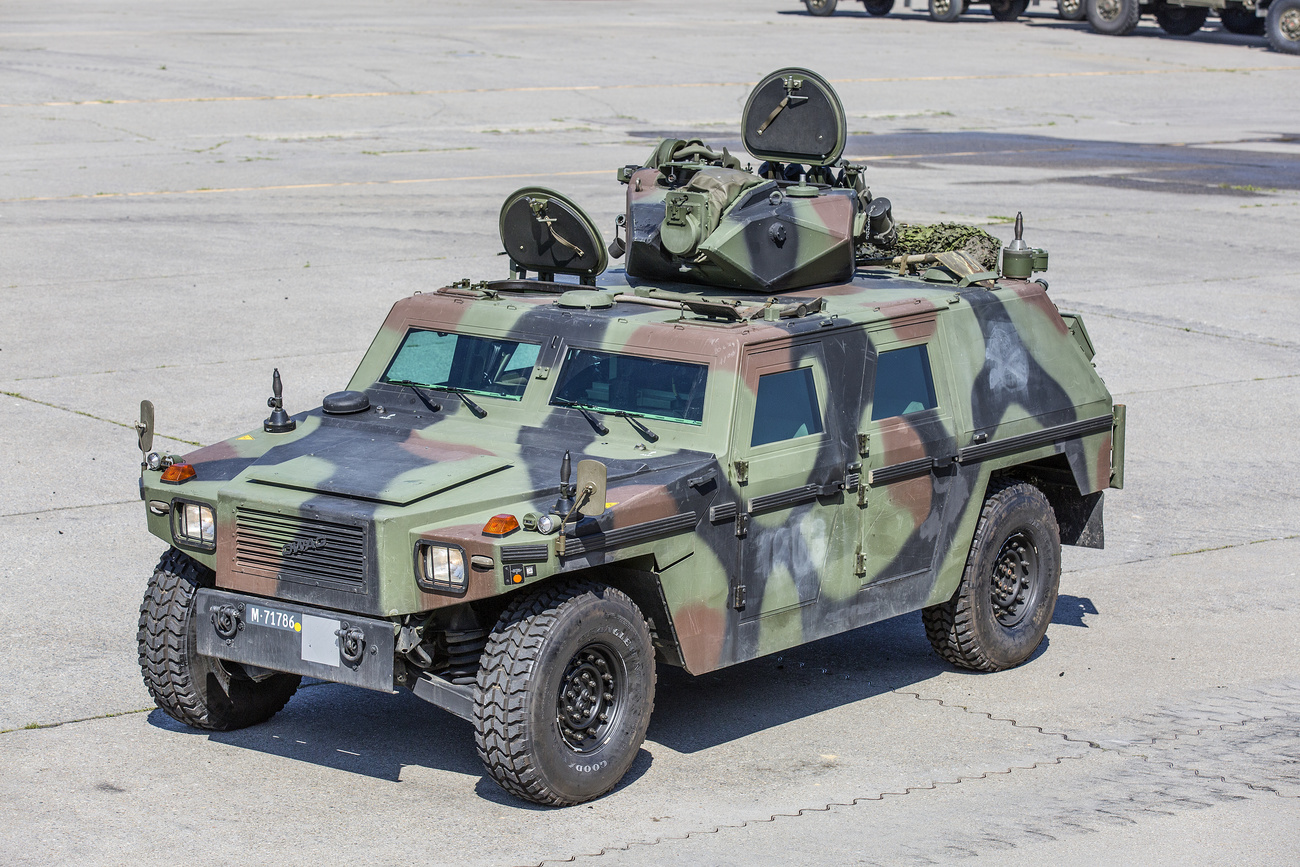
[(256, 615)]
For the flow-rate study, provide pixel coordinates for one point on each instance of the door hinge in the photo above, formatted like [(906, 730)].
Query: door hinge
[(742, 524), (738, 597), (862, 495), (742, 472), (864, 444), (859, 562)]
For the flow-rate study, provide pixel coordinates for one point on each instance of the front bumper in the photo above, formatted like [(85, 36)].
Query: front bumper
[(270, 633)]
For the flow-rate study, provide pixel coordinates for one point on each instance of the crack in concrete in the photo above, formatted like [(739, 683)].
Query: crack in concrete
[(128, 426)]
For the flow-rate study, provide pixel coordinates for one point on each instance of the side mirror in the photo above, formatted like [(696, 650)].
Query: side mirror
[(144, 427), (590, 498)]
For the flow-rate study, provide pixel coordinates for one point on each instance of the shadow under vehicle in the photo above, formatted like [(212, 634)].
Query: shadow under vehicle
[(791, 416)]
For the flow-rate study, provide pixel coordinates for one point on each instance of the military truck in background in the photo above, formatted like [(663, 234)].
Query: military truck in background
[(951, 10), (1278, 20), (783, 418)]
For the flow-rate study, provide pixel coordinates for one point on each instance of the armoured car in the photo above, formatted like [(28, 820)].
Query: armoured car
[(1278, 20), (778, 420)]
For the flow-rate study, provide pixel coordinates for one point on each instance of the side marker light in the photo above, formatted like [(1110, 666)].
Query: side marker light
[(500, 525), (178, 473)]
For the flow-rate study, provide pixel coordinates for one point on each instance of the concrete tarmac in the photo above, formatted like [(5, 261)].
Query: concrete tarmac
[(193, 193)]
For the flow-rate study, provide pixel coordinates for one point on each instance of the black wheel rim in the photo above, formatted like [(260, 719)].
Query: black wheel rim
[(591, 698), (1015, 579)]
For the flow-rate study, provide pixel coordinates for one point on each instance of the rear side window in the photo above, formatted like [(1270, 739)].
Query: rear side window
[(903, 383), (786, 407)]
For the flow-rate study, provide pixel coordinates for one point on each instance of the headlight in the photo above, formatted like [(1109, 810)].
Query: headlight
[(194, 524), (440, 568)]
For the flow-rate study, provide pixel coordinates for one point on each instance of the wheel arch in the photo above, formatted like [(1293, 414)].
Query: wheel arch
[(1078, 514)]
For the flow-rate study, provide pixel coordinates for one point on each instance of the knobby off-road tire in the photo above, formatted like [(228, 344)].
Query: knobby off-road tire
[(820, 8), (1008, 10), (1113, 17), (564, 693), (999, 614), (197, 690), (1180, 20), (878, 8), (1242, 21), (1283, 26)]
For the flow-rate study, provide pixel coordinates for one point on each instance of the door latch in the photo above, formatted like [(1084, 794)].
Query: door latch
[(742, 472)]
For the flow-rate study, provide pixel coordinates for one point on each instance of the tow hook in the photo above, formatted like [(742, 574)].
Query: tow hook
[(352, 644), (227, 621)]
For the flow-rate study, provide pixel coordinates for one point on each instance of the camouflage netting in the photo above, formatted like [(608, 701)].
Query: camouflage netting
[(938, 237)]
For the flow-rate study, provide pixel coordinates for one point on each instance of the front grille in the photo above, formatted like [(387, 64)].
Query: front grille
[(305, 550)]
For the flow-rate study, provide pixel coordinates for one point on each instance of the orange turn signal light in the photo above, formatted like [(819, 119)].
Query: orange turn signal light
[(500, 525), (178, 473)]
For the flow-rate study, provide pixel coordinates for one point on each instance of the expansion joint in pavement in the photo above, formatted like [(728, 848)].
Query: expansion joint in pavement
[(1016, 723), (822, 808)]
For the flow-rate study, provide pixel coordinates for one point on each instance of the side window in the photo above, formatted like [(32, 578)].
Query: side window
[(903, 383), (786, 407)]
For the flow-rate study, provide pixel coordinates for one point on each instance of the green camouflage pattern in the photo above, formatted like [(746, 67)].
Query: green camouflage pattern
[(731, 550)]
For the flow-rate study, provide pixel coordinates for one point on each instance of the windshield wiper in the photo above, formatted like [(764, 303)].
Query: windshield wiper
[(582, 408), (479, 412), (415, 387), (640, 428)]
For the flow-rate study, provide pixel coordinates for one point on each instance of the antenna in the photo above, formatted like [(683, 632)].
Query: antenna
[(279, 421)]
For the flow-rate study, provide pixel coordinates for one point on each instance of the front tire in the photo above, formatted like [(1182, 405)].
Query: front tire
[(820, 8), (194, 689), (1007, 595), (1113, 17), (564, 693), (1283, 26), (1181, 20), (878, 8)]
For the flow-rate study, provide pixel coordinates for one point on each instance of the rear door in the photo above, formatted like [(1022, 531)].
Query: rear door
[(909, 447), (790, 467)]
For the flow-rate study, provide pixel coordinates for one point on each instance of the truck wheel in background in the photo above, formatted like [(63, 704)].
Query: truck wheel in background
[(1070, 10), (1283, 27), (564, 693), (877, 8), (946, 10), (1180, 20), (1113, 17), (1008, 10), (820, 8), (999, 614), (197, 690), (1240, 20)]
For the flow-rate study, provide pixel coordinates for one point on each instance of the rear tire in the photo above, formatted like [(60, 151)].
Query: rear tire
[(1283, 26), (1008, 10), (198, 690), (878, 8), (820, 8), (1113, 17), (1181, 20), (1000, 612), (1071, 10), (1242, 21), (564, 693), (946, 10)]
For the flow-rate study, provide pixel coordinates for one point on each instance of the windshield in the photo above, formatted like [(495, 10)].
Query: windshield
[(479, 365), (650, 387)]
